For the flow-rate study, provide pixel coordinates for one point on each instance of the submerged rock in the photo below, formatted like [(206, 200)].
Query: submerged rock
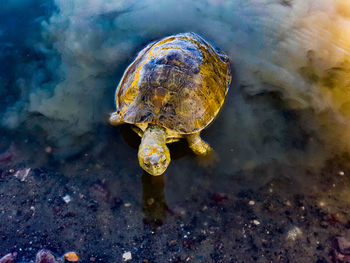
[(45, 256), (340, 250), (22, 174), (9, 258), (294, 233), (127, 256), (71, 257)]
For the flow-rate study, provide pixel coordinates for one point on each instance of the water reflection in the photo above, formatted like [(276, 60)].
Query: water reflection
[(154, 206)]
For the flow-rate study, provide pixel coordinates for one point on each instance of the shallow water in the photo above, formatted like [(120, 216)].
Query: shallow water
[(278, 190)]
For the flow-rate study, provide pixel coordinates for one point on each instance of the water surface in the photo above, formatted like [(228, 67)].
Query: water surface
[(278, 191)]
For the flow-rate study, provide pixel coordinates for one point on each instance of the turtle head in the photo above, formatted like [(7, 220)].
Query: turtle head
[(154, 158)]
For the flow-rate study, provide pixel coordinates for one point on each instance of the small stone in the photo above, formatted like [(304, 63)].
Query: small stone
[(256, 222), (127, 256), (341, 173), (172, 243), (150, 201), (270, 208), (48, 149), (67, 199), (323, 224), (100, 192), (11, 171), (340, 249), (251, 202), (288, 203), (92, 259), (294, 233), (343, 245), (71, 257), (45, 256), (22, 174), (127, 204), (178, 210), (9, 258)]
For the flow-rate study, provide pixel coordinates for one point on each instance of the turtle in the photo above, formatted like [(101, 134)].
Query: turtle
[(173, 89)]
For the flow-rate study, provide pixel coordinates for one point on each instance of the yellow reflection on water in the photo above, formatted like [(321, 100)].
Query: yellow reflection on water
[(154, 206)]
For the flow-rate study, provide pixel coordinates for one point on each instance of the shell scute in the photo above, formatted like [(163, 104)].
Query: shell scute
[(179, 82)]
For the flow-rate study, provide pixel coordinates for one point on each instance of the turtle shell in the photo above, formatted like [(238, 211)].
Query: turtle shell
[(179, 82)]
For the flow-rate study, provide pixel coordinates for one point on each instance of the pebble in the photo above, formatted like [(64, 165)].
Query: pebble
[(48, 149), (150, 201), (9, 258), (340, 249), (67, 199), (22, 174), (343, 245), (251, 202), (341, 173), (71, 257), (178, 210), (270, 208), (127, 204), (256, 222), (45, 256), (172, 243), (323, 224), (294, 233), (127, 256)]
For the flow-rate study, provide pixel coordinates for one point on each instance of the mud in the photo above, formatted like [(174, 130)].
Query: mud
[(265, 215)]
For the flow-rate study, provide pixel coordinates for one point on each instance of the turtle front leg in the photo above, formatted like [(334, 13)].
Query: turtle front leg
[(197, 145), (115, 119)]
